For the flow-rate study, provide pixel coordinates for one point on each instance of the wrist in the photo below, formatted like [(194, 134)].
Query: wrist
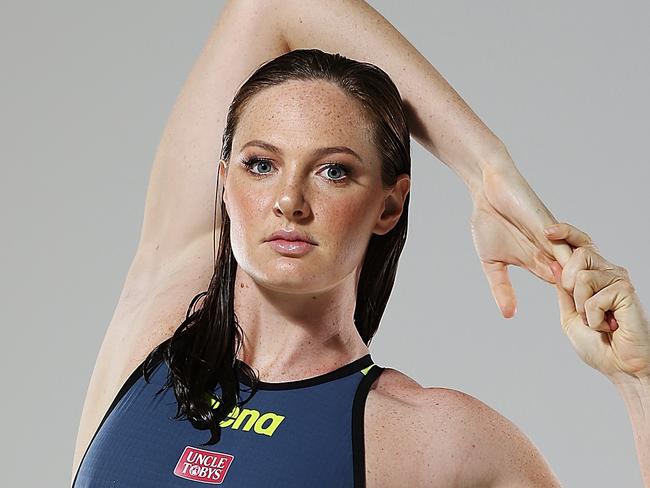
[(636, 395), (496, 161), (632, 385), (496, 157)]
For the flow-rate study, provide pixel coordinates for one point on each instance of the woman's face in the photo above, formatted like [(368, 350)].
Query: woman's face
[(293, 183)]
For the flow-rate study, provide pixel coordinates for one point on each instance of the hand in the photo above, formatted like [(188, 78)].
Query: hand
[(600, 311), (507, 226)]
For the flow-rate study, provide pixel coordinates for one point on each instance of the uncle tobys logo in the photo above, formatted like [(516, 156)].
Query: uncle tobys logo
[(204, 466)]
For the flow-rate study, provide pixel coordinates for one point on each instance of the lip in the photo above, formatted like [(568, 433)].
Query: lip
[(291, 235), (291, 248)]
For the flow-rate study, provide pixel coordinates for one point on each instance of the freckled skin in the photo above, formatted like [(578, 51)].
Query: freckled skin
[(299, 117), (317, 291)]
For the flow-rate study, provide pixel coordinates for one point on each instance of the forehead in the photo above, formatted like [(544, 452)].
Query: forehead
[(304, 114)]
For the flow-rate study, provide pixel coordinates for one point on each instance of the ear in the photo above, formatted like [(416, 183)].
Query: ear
[(393, 205), (223, 169)]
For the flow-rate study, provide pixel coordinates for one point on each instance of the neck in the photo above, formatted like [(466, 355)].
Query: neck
[(293, 336)]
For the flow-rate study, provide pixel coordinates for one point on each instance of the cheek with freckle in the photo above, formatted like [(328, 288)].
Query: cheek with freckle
[(347, 233), (247, 226)]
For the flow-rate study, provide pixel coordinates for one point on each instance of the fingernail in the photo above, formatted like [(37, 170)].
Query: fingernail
[(550, 230)]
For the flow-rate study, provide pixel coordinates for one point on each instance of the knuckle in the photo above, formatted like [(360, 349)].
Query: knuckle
[(623, 284), (628, 286), (623, 271), (580, 251), (582, 276)]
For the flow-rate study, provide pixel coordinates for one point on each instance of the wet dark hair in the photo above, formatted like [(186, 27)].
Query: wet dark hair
[(202, 352)]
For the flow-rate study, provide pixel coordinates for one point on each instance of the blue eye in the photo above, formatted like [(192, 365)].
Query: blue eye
[(338, 167), (250, 163)]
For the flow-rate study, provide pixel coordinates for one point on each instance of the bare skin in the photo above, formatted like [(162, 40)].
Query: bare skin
[(173, 264), (450, 438), (298, 312)]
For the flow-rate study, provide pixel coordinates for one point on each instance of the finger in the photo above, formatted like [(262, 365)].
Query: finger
[(588, 283), (603, 307), (560, 250), (567, 305), (571, 234), (581, 336), (556, 248), (583, 258), (611, 320), (501, 287)]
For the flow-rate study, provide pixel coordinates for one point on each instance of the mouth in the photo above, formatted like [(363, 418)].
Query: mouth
[(290, 248), (291, 235)]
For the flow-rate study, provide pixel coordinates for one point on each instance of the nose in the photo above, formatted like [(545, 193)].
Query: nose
[(291, 202)]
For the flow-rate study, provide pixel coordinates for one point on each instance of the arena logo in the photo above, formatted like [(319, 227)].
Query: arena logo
[(249, 418), (203, 466)]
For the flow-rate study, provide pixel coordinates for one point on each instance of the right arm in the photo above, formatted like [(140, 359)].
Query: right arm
[(173, 258), (179, 206)]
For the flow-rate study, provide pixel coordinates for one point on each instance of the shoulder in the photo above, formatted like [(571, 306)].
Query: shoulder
[(450, 438)]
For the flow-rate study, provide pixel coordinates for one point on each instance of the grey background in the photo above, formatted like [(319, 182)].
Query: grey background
[(86, 90)]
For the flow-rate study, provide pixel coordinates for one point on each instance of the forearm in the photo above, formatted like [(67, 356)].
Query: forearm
[(438, 117), (636, 396)]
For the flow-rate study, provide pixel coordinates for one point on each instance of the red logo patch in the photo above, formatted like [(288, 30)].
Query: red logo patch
[(201, 465)]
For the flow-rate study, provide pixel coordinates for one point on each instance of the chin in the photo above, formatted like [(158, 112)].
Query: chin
[(289, 275)]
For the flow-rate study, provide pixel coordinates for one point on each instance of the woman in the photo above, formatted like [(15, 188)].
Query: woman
[(305, 313)]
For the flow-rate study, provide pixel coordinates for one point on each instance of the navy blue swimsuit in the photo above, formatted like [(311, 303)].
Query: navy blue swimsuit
[(305, 433)]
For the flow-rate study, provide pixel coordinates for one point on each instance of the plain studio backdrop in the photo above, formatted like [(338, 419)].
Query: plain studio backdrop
[(87, 88)]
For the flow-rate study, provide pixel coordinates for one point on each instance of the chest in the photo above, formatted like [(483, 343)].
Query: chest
[(392, 450), (393, 454), (280, 438)]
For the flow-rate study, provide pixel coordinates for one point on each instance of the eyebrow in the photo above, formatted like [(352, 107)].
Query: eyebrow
[(318, 153)]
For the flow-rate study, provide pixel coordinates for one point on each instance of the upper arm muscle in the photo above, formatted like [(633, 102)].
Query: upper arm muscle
[(492, 451), (151, 306), (180, 197)]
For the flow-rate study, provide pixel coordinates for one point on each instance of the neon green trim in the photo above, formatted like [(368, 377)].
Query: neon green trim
[(365, 370)]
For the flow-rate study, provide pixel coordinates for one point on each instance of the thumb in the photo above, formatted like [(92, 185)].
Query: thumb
[(501, 287), (567, 305), (561, 251)]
